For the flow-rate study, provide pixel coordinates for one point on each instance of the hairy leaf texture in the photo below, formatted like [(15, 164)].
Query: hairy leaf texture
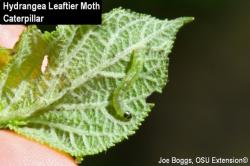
[(92, 90)]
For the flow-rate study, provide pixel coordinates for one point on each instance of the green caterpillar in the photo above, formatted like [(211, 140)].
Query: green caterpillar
[(135, 67)]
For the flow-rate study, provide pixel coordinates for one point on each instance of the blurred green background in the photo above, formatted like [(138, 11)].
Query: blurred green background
[(205, 108)]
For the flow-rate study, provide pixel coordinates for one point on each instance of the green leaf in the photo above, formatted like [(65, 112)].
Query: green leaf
[(93, 91), (5, 57)]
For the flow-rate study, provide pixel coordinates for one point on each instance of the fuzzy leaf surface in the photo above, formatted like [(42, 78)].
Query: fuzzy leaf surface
[(69, 106)]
